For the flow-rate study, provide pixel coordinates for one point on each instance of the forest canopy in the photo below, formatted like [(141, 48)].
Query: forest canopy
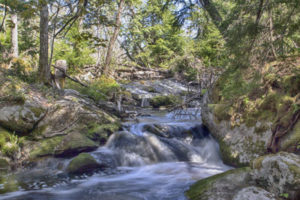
[(151, 34)]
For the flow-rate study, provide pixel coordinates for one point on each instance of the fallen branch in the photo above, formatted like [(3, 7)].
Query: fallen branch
[(69, 77)]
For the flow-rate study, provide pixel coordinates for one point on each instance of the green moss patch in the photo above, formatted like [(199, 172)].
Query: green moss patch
[(83, 163), (169, 100), (198, 190)]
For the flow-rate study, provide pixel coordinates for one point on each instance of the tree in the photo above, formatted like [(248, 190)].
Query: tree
[(44, 67), (152, 37), (113, 37), (14, 35)]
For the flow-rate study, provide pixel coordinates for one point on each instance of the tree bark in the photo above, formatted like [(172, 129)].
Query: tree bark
[(113, 39), (44, 67), (14, 36)]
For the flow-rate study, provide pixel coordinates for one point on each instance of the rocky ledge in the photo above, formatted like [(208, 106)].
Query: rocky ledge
[(275, 176)]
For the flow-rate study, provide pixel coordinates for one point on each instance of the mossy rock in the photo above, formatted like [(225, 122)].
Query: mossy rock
[(101, 132), (46, 147), (278, 173), (224, 185), (73, 144), (83, 163), (21, 118), (4, 165), (222, 111), (291, 142), (160, 101), (63, 146), (228, 155)]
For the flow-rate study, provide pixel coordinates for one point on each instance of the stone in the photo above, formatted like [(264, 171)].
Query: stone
[(63, 146), (83, 163), (254, 193), (221, 186), (278, 173), (21, 118)]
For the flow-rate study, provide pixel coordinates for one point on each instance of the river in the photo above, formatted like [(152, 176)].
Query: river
[(144, 166)]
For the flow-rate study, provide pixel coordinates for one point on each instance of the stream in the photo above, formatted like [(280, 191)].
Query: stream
[(156, 157)]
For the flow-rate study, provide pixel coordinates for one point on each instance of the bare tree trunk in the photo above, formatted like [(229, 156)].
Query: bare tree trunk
[(14, 36), (44, 67), (113, 39)]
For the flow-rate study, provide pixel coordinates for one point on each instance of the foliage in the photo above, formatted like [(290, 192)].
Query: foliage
[(75, 49), (151, 37), (100, 89)]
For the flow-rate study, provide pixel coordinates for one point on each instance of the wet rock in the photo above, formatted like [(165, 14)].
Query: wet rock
[(221, 186), (279, 173), (83, 163), (158, 129), (254, 193)]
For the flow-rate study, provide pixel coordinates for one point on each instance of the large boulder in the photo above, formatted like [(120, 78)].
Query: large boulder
[(21, 117), (254, 193), (72, 112), (239, 145), (63, 146), (278, 173), (221, 186), (83, 163)]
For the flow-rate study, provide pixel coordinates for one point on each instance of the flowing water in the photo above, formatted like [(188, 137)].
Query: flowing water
[(155, 158)]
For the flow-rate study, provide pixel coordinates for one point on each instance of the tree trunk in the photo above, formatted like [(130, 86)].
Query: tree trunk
[(44, 67), (113, 39), (14, 35)]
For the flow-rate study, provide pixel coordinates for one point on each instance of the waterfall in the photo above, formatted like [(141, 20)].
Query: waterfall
[(156, 158)]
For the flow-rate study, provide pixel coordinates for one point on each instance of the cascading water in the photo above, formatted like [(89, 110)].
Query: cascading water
[(157, 158)]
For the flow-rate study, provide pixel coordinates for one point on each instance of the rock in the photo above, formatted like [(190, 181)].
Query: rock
[(4, 165), (158, 129), (239, 145), (21, 117), (279, 173), (254, 193), (222, 186), (63, 146), (83, 163), (73, 144)]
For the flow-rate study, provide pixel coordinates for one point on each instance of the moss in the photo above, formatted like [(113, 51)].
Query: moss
[(293, 139), (227, 155), (9, 184), (38, 131), (221, 111), (4, 165), (100, 133), (4, 135), (198, 190), (159, 101), (46, 147), (291, 84), (262, 128), (83, 163), (37, 111), (73, 144), (270, 102), (257, 163)]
